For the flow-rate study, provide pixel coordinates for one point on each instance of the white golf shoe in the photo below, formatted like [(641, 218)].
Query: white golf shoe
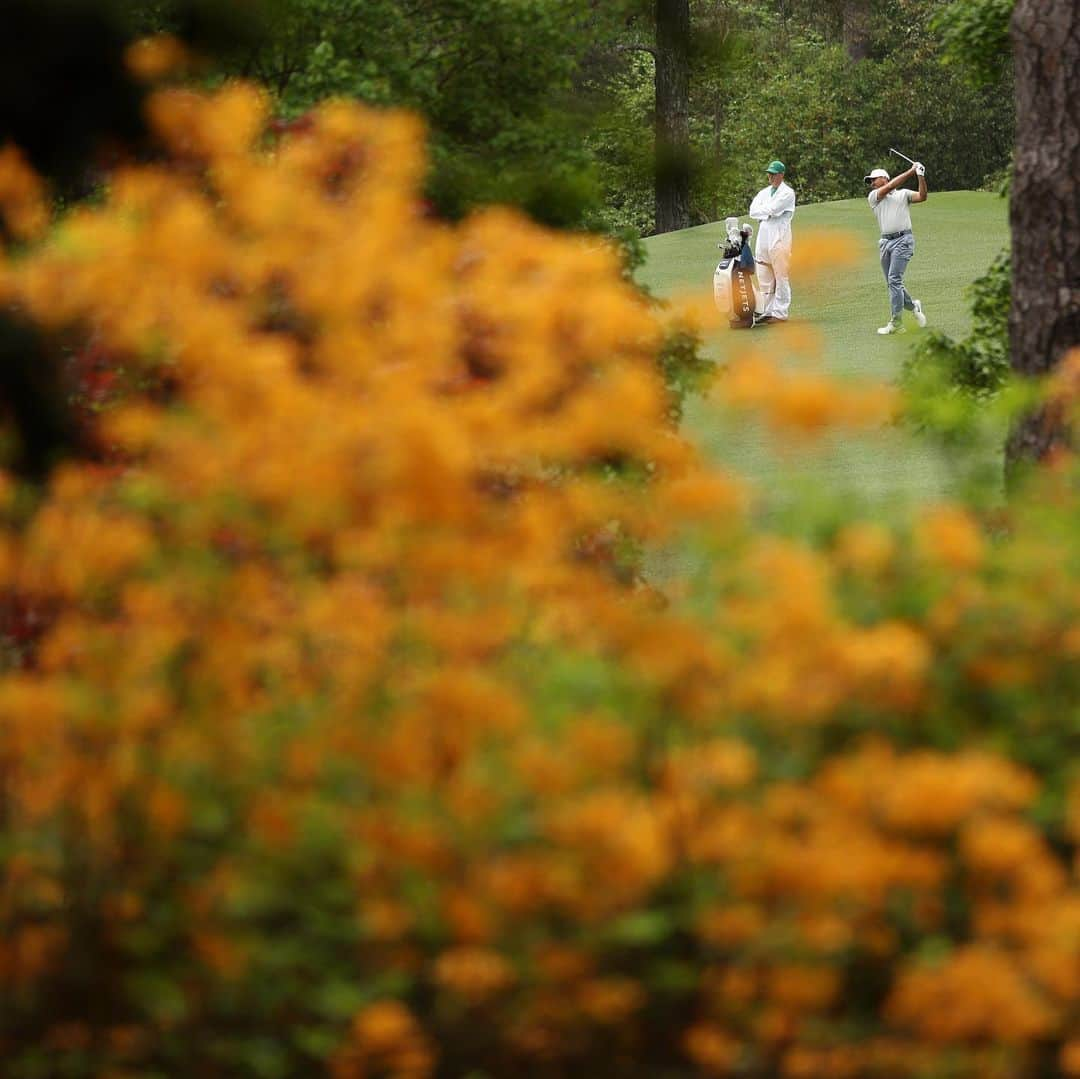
[(891, 327), (916, 307)]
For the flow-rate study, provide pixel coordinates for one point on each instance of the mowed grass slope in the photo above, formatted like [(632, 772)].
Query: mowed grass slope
[(957, 236)]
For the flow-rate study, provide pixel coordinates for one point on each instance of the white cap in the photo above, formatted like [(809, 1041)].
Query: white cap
[(873, 174)]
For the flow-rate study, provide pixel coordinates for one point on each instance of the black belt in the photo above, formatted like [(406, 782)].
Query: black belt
[(894, 235)]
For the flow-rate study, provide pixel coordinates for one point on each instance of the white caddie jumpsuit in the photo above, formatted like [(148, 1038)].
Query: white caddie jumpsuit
[(774, 207)]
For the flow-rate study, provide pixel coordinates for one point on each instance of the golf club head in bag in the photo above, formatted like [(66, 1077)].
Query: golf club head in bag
[(734, 278)]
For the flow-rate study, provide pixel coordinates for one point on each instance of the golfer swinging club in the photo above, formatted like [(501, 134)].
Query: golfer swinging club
[(774, 207), (890, 204)]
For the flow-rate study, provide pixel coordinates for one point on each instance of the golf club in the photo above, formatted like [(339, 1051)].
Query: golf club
[(904, 156)]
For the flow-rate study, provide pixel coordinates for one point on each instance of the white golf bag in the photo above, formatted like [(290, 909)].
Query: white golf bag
[(734, 279)]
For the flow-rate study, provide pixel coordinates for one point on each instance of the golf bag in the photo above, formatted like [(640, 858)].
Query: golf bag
[(734, 280)]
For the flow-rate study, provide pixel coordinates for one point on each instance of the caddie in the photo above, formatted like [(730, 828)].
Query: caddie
[(890, 203), (774, 207)]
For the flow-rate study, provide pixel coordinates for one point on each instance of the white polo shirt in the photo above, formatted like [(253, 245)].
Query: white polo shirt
[(892, 211)]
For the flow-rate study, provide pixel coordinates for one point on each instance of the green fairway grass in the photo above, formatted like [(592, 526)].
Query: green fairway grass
[(957, 235)]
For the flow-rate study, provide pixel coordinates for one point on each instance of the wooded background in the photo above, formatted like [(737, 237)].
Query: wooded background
[(652, 114)]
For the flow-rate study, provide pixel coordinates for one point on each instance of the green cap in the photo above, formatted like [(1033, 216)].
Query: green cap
[(776, 166)]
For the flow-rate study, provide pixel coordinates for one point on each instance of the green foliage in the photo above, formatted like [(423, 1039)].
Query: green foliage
[(979, 363), (549, 105), (772, 81), (686, 371), (975, 35), (961, 393), (827, 120), (621, 134), (631, 250), (493, 79), (620, 139)]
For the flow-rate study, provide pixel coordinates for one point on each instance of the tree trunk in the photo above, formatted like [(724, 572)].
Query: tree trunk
[(1044, 321), (856, 28), (672, 115)]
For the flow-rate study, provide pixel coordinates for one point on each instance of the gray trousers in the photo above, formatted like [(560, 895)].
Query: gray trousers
[(895, 255)]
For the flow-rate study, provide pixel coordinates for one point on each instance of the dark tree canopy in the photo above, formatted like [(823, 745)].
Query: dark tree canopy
[(66, 100), (492, 78), (63, 87)]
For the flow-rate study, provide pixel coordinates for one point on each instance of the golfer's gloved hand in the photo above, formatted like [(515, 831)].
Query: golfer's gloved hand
[(920, 169)]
